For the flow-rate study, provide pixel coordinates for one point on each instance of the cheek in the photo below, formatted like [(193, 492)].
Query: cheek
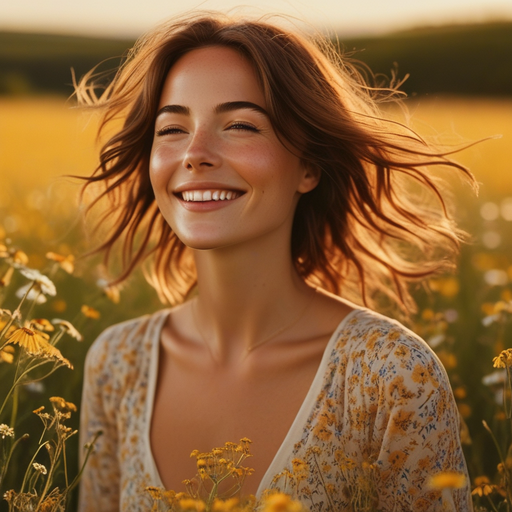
[(160, 169)]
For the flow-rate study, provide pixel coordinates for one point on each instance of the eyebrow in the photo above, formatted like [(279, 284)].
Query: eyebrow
[(219, 109)]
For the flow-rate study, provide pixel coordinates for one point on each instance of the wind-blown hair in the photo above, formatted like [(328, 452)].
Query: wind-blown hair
[(377, 220)]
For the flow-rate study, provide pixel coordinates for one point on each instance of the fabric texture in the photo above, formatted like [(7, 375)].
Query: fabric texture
[(377, 422)]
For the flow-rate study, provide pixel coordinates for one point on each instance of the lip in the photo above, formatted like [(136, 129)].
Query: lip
[(205, 206), (205, 185)]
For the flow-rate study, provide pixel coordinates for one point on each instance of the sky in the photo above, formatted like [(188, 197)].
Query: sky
[(130, 18)]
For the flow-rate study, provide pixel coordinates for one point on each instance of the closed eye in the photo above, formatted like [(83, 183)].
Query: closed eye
[(243, 126), (169, 130)]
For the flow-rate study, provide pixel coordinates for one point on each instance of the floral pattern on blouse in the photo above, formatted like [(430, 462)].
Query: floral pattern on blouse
[(382, 422)]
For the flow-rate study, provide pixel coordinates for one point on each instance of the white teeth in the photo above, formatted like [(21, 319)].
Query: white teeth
[(209, 195)]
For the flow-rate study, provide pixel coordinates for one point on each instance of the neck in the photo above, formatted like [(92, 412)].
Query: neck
[(247, 294)]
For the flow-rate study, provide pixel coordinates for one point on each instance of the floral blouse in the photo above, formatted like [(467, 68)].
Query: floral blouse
[(379, 419)]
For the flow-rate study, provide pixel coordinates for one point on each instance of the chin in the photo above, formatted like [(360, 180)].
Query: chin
[(202, 243)]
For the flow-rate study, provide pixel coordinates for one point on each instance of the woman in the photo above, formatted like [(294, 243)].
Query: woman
[(260, 174)]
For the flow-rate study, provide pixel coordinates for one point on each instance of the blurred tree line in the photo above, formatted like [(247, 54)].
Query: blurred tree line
[(456, 59)]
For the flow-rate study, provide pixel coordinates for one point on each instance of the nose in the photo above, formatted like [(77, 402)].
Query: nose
[(202, 152)]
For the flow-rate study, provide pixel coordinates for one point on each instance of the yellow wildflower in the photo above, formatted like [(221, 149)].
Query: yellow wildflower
[(66, 263), (460, 392), (41, 324), (20, 258), (481, 480), (427, 314), (483, 490), (448, 286), (244, 443), (447, 480), (228, 505), (5, 280), (7, 354), (280, 502), (504, 360), (112, 292), (61, 405), (464, 410), (90, 312), (55, 353), (34, 343), (31, 340), (154, 492), (192, 505)]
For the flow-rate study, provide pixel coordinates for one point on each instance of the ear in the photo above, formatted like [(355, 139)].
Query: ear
[(309, 179)]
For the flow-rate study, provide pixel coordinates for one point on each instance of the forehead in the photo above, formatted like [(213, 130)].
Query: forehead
[(213, 74)]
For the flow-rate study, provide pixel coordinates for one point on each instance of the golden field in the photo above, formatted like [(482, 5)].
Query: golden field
[(466, 317), (43, 138)]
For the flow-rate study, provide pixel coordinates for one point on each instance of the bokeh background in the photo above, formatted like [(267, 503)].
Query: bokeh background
[(458, 55)]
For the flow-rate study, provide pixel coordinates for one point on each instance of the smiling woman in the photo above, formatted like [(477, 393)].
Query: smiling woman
[(214, 139), (262, 175)]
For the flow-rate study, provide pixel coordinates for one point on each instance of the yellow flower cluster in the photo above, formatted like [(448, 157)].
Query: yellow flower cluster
[(447, 480), (204, 494), (504, 360), (35, 343)]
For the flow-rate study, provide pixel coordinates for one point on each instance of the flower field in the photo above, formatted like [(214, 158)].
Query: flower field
[(465, 317)]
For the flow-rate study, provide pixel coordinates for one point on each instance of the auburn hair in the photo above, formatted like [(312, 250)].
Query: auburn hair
[(379, 218)]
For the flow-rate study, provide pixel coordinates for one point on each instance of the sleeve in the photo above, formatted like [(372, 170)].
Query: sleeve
[(100, 482), (418, 427)]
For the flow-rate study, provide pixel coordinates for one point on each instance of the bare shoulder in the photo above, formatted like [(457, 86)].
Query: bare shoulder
[(328, 311)]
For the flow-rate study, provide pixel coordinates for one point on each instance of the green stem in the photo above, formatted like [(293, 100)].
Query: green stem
[(65, 466), (18, 379), (507, 387), (15, 402), (13, 447), (495, 442), (27, 472), (212, 496), (90, 447), (32, 306), (492, 503), (57, 336), (53, 464), (29, 289)]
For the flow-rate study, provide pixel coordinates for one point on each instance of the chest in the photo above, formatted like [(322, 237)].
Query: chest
[(196, 409)]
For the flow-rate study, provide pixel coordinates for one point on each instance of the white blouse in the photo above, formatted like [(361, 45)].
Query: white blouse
[(380, 410)]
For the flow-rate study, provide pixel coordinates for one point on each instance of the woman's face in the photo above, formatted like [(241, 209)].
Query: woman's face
[(219, 173)]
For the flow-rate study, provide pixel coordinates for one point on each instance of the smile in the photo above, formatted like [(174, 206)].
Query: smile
[(209, 195)]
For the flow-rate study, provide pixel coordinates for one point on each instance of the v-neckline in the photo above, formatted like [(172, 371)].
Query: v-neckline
[(279, 461)]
